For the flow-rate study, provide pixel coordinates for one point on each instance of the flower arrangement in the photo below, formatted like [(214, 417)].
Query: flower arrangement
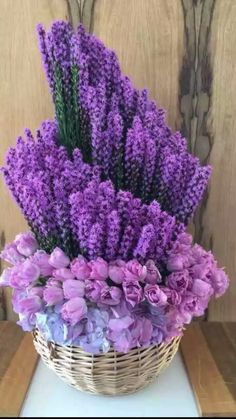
[(107, 190)]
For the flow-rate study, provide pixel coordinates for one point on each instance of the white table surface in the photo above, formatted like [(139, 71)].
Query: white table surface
[(169, 396)]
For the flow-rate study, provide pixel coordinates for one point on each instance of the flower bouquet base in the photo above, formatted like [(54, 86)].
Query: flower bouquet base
[(112, 373)]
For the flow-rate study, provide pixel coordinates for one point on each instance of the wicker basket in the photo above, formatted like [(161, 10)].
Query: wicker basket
[(112, 373)]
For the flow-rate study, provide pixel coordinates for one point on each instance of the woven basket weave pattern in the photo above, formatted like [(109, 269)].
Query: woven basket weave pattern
[(112, 373)]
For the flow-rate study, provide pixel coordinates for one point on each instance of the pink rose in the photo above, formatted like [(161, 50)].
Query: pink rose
[(73, 288), (155, 295), (153, 275), (26, 243), (133, 292), (99, 269), (41, 259), (134, 271), (74, 310), (58, 259), (116, 271), (80, 268)]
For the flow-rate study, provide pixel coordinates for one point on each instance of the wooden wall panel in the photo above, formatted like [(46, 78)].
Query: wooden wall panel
[(183, 51)]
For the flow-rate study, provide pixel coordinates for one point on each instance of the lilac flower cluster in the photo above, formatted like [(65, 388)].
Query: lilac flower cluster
[(128, 135), (96, 305)]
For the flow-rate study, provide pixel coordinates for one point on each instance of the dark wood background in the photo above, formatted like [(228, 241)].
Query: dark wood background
[(184, 52)]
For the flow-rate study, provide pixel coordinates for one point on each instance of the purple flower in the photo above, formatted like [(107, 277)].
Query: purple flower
[(80, 268), (27, 321), (30, 305), (63, 274), (155, 295), (173, 298), (74, 310), (36, 291), (10, 254), (153, 275), (133, 292), (41, 259), (58, 259), (202, 288), (176, 263), (141, 331), (53, 295), (24, 274), (26, 244), (120, 334), (99, 269), (219, 282), (111, 295), (5, 277), (178, 280), (134, 271), (116, 271), (93, 290), (73, 288)]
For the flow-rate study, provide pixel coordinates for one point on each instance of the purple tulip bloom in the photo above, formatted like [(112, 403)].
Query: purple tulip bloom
[(80, 268), (10, 254), (74, 310), (53, 295), (134, 271), (58, 259), (5, 277), (26, 244), (173, 298), (110, 295), (178, 280), (73, 288), (24, 274), (41, 259), (116, 271), (93, 290), (63, 273), (219, 282), (99, 269), (201, 288), (153, 275), (30, 305), (155, 295)]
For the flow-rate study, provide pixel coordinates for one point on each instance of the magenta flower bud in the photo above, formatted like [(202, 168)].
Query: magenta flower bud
[(10, 254), (41, 259), (201, 288), (26, 244), (116, 271), (93, 290), (58, 259), (134, 271), (30, 305), (5, 277), (63, 273), (73, 288), (153, 275), (24, 274), (133, 292), (178, 280), (175, 263), (53, 295), (173, 298), (111, 295), (99, 269), (80, 268), (74, 310), (155, 295)]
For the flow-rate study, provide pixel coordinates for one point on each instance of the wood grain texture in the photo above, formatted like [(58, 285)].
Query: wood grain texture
[(208, 371), (17, 367)]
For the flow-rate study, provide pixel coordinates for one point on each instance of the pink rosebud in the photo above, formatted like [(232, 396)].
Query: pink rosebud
[(116, 271), (153, 275), (74, 310), (58, 259), (133, 292), (41, 259), (30, 305), (80, 268), (10, 254), (175, 263), (201, 288), (63, 273), (99, 269), (155, 295), (5, 277), (24, 274), (134, 271), (26, 243), (111, 295), (93, 290), (73, 288), (178, 280), (53, 295)]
